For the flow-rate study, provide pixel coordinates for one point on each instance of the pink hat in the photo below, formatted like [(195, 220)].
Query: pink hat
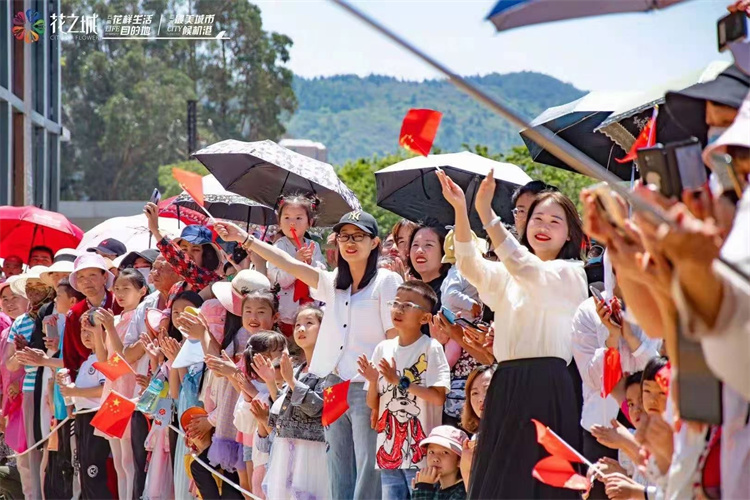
[(90, 261), (738, 134), (154, 317), (446, 436), (231, 294)]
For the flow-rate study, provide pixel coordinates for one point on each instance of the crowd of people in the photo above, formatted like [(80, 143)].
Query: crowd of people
[(447, 345)]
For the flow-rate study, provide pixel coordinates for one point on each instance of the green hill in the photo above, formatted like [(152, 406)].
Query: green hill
[(357, 117)]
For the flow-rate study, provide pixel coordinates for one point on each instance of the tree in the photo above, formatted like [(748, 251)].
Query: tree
[(125, 102)]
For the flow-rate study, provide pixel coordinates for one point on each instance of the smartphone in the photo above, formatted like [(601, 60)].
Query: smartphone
[(726, 174), (657, 171), (448, 315), (699, 394), (610, 204), (596, 293), (689, 160), (238, 254), (731, 28), (155, 197), (477, 325)]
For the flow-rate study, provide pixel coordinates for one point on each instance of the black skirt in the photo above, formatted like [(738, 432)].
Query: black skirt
[(507, 449)]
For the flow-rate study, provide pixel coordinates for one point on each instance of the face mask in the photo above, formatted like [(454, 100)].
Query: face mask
[(145, 272), (714, 133)]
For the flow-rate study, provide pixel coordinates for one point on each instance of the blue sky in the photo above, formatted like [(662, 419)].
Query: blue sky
[(617, 52)]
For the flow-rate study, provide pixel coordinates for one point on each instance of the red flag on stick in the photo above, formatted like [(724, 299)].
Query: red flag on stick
[(114, 415), (301, 290), (335, 402), (612, 371), (190, 182), (558, 472), (664, 376), (114, 368), (645, 139), (418, 130), (553, 444)]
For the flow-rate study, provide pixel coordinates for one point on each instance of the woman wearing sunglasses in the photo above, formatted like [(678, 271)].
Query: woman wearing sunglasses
[(356, 319)]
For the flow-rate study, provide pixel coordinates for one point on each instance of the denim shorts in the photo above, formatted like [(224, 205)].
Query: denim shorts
[(247, 453)]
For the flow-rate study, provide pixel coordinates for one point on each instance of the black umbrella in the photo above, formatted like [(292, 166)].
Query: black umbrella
[(224, 204), (263, 171), (411, 189), (575, 122)]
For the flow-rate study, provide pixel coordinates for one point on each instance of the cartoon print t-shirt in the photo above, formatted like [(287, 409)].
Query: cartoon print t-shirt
[(403, 419)]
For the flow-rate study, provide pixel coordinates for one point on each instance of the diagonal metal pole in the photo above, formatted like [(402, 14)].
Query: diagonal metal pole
[(576, 159)]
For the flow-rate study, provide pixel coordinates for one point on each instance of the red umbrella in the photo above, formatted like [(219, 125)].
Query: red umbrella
[(171, 211), (22, 228)]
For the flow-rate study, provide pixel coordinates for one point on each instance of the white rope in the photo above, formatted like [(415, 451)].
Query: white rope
[(52, 431), (214, 471)]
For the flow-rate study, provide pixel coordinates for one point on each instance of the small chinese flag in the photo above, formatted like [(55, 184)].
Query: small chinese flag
[(301, 290), (114, 415), (335, 402), (558, 472), (190, 182), (664, 376), (418, 130), (612, 372), (553, 444), (114, 368), (645, 139)]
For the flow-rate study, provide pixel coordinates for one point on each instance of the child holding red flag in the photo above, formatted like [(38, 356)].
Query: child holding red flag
[(296, 215), (129, 289), (93, 450), (408, 388)]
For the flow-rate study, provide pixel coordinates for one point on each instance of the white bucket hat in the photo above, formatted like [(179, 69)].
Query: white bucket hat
[(90, 261), (61, 266), (19, 284), (231, 294)]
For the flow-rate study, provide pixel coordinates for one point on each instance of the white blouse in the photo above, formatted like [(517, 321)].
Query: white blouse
[(352, 324), (534, 301)]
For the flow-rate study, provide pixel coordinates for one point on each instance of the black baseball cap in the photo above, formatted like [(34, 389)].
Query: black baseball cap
[(150, 254), (110, 246), (362, 220)]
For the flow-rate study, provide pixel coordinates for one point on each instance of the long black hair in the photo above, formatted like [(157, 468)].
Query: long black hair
[(344, 275), (441, 239), (211, 259)]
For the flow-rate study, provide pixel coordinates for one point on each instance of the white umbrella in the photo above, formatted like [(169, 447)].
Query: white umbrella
[(131, 231)]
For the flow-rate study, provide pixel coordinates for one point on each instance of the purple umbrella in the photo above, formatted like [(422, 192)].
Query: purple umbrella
[(509, 14)]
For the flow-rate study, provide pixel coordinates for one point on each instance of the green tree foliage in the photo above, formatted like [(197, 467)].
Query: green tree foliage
[(358, 117), (125, 102)]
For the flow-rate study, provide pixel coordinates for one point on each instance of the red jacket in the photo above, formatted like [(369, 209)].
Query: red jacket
[(74, 352)]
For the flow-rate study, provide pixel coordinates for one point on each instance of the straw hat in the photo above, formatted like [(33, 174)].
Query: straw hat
[(18, 286), (62, 266)]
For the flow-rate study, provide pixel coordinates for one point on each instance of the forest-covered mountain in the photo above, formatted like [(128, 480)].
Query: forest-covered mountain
[(357, 117)]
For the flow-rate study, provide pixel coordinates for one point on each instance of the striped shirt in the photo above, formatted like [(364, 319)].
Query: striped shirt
[(24, 326)]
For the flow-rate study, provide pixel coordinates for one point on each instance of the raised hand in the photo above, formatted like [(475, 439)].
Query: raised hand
[(230, 232), (388, 371), (263, 367), (452, 192), (260, 410), (367, 369), (428, 475), (151, 211), (483, 199), (223, 366), (169, 346), (287, 370)]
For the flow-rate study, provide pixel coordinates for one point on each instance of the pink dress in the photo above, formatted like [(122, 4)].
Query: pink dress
[(15, 433)]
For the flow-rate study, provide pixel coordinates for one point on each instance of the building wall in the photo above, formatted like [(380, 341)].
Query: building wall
[(30, 110)]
